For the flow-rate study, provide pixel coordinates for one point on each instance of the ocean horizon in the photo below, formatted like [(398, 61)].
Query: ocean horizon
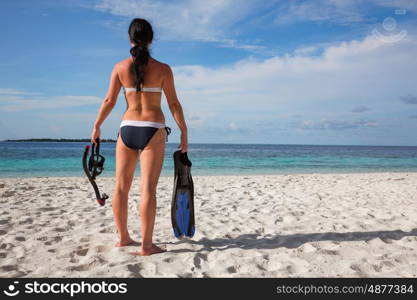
[(61, 159)]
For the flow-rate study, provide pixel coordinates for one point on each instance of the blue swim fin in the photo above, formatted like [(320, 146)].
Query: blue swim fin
[(182, 206)]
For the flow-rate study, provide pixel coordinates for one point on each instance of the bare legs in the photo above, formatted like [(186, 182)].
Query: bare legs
[(151, 160), (126, 160)]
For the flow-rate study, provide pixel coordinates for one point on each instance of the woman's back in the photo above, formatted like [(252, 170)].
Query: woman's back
[(146, 105)]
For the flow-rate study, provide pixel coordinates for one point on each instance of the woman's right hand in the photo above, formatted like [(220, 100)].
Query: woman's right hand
[(95, 134), (184, 143)]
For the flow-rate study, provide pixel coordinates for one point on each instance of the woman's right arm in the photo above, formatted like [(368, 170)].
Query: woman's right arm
[(175, 106), (107, 104)]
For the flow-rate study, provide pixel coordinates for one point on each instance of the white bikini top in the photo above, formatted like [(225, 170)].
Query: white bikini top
[(144, 89)]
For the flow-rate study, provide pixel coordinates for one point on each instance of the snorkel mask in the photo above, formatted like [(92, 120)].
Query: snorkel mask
[(96, 161), (93, 168)]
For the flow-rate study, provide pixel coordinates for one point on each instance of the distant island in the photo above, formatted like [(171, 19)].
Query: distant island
[(60, 140)]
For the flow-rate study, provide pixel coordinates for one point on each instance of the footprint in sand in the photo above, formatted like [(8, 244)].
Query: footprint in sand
[(262, 266), (79, 268), (198, 258), (101, 249), (55, 239), (27, 188), (26, 221), (329, 252), (8, 268), (356, 268), (107, 230), (7, 194), (388, 264), (278, 220), (84, 240), (168, 259), (47, 208), (82, 252), (297, 213), (135, 269), (377, 268), (290, 269), (205, 275)]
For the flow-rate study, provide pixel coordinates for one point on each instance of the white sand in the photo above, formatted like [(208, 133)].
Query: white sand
[(331, 225)]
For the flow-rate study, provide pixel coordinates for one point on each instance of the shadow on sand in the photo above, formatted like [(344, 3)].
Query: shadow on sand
[(257, 241)]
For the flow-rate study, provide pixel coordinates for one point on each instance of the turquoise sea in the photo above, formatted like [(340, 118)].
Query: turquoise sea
[(27, 159)]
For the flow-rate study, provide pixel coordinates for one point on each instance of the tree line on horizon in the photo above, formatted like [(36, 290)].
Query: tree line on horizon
[(59, 140)]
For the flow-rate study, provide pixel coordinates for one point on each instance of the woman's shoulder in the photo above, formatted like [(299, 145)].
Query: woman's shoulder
[(128, 61), (123, 62), (160, 64), (124, 65), (163, 68), (166, 68), (121, 65)]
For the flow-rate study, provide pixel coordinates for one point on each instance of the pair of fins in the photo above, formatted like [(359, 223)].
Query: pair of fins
[(182, 206)]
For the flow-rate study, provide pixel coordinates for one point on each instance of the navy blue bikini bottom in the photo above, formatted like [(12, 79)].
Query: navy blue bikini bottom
[(137, 134)]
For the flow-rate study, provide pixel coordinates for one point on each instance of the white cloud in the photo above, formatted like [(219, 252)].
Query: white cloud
[(325, 124), (337, 11), (189, 20), (348, 74), (408, 5), (15, 92), (306, 50), (341, 12), (12, 100), (221, 21)]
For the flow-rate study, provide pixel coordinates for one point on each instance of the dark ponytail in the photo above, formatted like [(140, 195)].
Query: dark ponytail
[(140, 34)]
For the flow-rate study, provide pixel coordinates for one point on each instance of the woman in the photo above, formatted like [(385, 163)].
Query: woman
[(142, 132)]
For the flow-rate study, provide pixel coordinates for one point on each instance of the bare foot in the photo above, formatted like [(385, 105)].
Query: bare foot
[(154, 249), (128, 242)]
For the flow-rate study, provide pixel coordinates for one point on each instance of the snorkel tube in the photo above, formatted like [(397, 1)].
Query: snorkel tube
[(93, 168)]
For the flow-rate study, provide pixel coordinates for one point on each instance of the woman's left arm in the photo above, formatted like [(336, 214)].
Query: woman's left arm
[(108, 103)]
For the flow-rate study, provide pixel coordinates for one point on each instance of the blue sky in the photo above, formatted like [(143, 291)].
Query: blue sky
[(281, 72)]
